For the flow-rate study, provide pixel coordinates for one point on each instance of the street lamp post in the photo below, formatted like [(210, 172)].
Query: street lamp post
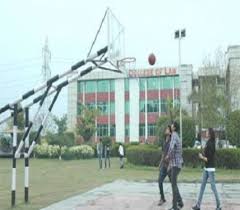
[(179, 34)]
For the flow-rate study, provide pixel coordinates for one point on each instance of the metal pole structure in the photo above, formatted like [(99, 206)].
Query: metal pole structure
[(54, 79), (26, 172), (179, 34), (180, 79), (15, 127), (58, 89), (26, 133)]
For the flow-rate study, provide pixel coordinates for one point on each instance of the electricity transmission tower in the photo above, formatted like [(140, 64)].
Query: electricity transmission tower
[(46, 75)]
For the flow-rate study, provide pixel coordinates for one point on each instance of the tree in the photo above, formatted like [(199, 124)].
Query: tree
[(188, 131), (86, 126), (173, 115), (61, 123), (20, 120), (61, 138), (210, 96), (232, 128)]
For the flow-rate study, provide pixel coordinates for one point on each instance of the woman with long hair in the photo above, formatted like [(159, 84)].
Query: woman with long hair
[(208, 156), (164, 164)]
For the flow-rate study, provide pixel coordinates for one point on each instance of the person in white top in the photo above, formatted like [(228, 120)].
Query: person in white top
[(121, 155)]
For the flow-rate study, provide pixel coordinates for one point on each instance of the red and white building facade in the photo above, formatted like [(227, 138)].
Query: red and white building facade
[(130, 103)]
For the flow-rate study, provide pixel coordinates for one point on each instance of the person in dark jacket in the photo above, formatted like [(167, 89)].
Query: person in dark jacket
[(107, 155), (163, 166), (208, 156)]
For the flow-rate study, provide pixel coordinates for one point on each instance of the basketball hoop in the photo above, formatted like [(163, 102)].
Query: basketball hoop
[(126, 63)]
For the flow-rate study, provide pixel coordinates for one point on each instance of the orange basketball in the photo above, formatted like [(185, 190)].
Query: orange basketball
[(151, 59)]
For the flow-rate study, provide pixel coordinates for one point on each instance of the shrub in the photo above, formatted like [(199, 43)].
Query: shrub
[(144, 155), (47, 151), (53, 151), (5, 143), (106, 140), (114, 150), (228, 158), (232, 128), (188, 129), (78, 152), (190, 157), (65, 139), (150, 156)]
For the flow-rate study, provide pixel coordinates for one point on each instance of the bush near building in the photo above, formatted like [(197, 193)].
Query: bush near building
[(188, 129), (150, 156), (71, 153), (232, 128)]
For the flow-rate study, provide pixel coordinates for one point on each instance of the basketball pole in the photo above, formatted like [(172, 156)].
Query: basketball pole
[(180, 85), (179, 34)]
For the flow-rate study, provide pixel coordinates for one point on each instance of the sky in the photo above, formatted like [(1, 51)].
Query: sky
[(71, 25)]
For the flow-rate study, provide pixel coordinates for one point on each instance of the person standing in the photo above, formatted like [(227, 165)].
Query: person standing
[(121, 155), (107, 155), (100, 152), (208, 157), (163, 166), (175, 159)]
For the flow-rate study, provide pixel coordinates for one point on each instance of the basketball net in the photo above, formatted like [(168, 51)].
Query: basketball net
[(112, 33)]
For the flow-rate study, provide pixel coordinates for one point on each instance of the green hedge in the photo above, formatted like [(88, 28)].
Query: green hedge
[(78, 152), (144, 155), (150, 156), (53, 151)]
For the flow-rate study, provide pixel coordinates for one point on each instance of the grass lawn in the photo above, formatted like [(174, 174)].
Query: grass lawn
[(54, 180)]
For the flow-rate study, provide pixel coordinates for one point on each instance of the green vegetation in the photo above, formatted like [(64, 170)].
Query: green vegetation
[(86, 124), (188, 129), (233, 131), (53, 180), (149, 155)]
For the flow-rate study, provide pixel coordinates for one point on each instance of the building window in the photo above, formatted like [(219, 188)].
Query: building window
[(90, 106), (142, 84), (152, 106), (142, 130), (90, 87), (112, 85), (79, 108), (167, 82), (112, 107), (102, 130), (112, 130), (152, 83), (126, 107), (142, 106), (176, 82), (177, 103), (102, 85), (163, 105), (80, 87), (127, 130), (151, 129), (103, 107), (126, 84)]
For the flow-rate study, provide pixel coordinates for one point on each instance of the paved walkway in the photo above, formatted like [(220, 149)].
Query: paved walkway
[(121, 195)]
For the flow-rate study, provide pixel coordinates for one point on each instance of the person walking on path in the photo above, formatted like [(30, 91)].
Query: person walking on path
[(100, 152), (175, 159), (121, 155), (208, 156), (163, 166), (107, 155)]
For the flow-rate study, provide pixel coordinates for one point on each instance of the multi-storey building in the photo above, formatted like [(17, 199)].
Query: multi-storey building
[(129, 104)]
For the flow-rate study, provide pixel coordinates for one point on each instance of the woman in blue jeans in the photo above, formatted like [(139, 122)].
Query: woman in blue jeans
[(208, 157), (164, 164)]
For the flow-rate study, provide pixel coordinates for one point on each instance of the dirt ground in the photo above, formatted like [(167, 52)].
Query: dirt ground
[(123, 195)]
